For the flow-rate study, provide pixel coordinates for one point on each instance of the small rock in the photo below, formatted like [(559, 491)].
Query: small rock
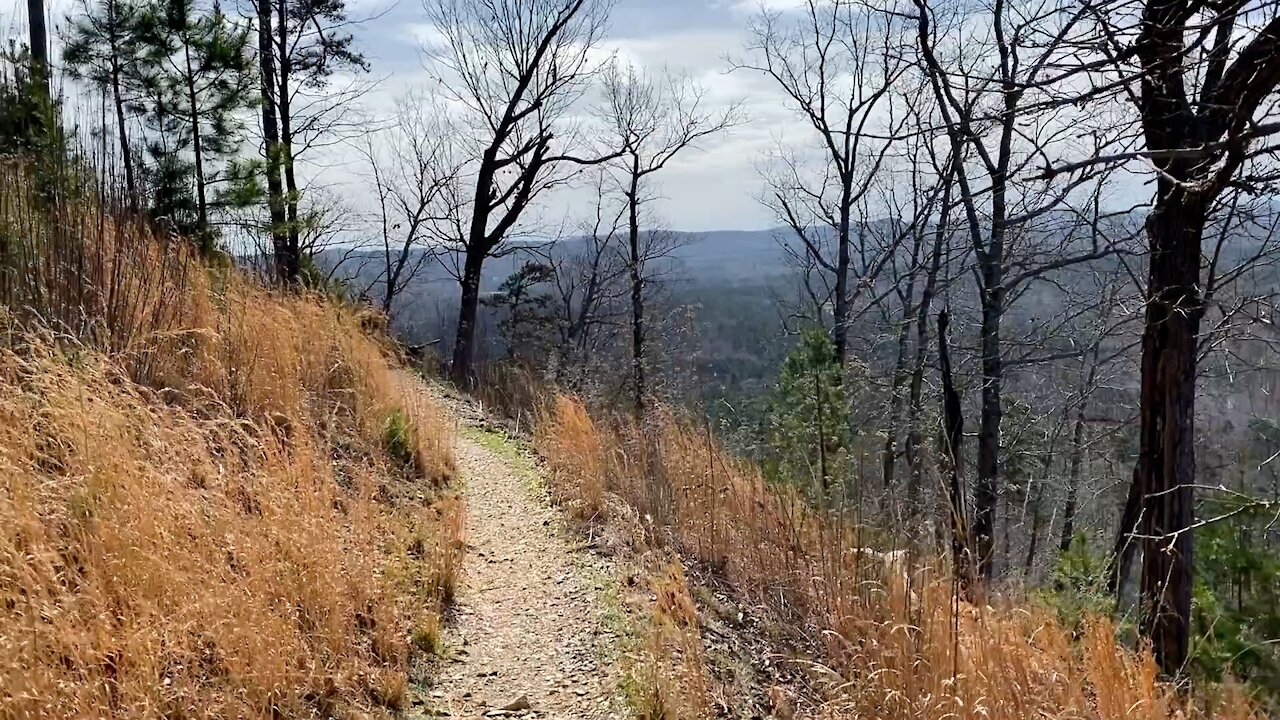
[(517, 705)]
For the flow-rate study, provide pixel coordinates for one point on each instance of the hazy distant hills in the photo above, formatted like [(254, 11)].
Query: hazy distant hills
[(717, 255)]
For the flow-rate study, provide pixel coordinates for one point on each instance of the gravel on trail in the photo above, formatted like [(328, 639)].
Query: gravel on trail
[(529, 635)]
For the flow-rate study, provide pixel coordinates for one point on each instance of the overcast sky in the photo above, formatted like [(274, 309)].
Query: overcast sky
[(716, 186)]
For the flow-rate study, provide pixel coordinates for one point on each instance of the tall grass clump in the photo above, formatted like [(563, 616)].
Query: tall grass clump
[(898, 640), (200, 515)]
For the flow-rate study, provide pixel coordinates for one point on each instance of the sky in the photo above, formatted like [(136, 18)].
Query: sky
[(715, 186), (712, 187)]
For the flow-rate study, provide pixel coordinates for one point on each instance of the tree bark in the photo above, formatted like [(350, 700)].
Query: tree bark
[(916, 400), (1166, 473), (1073, 474), (39, 40), (1036, 500), (287, 263), (286, 134), (986, 489), (840, 306), (897, 402), (638, 380), (953, 437), (462, 371), (197, 150), (117, 100)]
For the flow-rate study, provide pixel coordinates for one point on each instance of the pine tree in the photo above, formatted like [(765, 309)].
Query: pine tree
[(202, 76), (809, 415), (102, 48), (301, 44)]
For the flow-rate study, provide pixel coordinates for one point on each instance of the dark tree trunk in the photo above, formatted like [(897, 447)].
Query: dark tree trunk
[(462, 369), (117, 100), (901, 376), (916, 393), (1073, 473), (197, 151), (293, 229), (638, 380), (1036, 500), (39, 40), (840, 303), (1166, 473), (287, 263), (122, 136), (478, 246), (1120, 560), (897, 402), (1037, 521), (986, 491), (953, 437)]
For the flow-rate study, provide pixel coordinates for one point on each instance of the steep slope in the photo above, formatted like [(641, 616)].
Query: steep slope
[(215, 500)]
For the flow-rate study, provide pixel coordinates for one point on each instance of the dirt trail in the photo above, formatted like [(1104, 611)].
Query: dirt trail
[(529, 622)]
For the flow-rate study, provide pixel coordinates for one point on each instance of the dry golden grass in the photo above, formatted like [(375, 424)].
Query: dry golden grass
[(895, 649), (677, 681), (204, 510)]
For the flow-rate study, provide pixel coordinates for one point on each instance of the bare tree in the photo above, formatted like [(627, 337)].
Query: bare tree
[(590, 285), (1202, 77), (651, 121), (414, 172), (515, 68), (992, 93), (837, 63)]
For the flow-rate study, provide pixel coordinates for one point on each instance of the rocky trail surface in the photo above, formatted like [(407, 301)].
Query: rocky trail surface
[(530, 634)]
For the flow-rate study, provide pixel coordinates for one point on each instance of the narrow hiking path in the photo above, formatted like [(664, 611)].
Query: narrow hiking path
[(530, 634)]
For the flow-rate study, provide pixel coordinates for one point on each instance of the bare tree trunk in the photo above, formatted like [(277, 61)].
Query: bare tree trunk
[(953, 436), (1120, 560), (39, 40), (986, 489), (1073, 473), (1166, 472), (462, 370), (117, 99), (916, 400), (840, 306), (637, 292), (1036, 500), (286, 134), (197, 151), (897, 402), (286, 262)]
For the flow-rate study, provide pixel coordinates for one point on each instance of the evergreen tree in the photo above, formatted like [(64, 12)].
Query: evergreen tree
[(528, 322), (28, 116), (301, 44), (103, 47), (809, 415), (201, 77)]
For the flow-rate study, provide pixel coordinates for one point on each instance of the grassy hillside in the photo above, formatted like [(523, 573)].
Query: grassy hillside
[(893, 638), (215, 500)]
